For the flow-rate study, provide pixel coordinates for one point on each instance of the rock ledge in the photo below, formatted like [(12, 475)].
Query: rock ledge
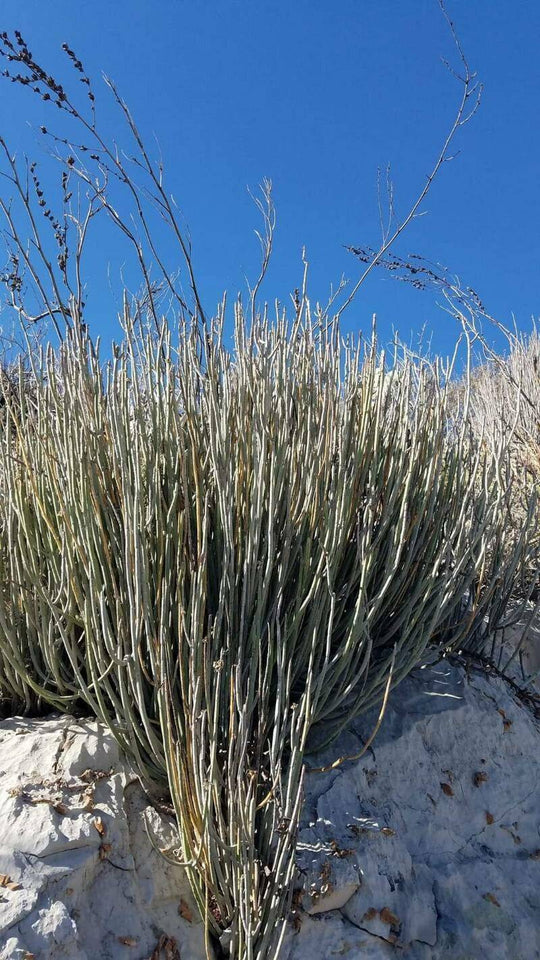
[(428, 846)]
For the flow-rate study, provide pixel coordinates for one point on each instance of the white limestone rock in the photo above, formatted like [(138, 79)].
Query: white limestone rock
[(519, 653), (439, 822), (426, 848), (81, 877)]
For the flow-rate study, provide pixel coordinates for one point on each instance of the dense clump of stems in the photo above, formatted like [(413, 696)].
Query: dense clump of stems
[(506, 398), (504, 413), (221, 551)]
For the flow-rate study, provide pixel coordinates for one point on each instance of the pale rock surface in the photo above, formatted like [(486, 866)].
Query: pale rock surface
[(83, 879), (428, 846), (425, 848), (520, 654)]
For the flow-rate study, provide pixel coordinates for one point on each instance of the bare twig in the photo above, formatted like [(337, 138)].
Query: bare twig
[(471, 94)]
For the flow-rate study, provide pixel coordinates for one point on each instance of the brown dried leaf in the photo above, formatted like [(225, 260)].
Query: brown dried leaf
[(388, 917), (356, 830), (6, 881), (128, 941), (168, 946), (340, 852), (388, 832), (100, 826), (104, 850), (492, 899), (60, 808), (489, 817), (447, 789), (479, 777), (29, 956), (506, 722), (370, 914), (185, 911), (326, 871), (90, 776)]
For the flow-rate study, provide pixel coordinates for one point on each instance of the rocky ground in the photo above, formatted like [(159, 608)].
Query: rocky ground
[(428, 846), (81, 879)]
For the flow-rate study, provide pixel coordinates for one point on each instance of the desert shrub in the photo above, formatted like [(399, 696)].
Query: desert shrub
[(503, 407), (505, 399), (221, 551)]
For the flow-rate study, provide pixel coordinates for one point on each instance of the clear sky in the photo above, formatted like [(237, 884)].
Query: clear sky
[(316, 96)]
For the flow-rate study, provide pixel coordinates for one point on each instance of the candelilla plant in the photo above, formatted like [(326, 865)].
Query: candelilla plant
[(223, 552), (218, 551)]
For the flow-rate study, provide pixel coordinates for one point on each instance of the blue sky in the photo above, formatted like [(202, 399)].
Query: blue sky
[(316, 96)]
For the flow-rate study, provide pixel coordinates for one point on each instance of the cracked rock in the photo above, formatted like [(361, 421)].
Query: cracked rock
[(426, 848), (85, 879), (440, 821)]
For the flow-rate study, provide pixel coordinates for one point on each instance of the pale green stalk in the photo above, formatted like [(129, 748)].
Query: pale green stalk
[(223, 555)]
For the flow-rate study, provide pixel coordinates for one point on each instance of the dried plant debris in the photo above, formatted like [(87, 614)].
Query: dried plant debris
[(62, 795), (166, 949), (506, 722), (479, 778), (104, 850), (390, 918), (185, 911), (340, 852), (7, 883), (370, 914), (98, 825)]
